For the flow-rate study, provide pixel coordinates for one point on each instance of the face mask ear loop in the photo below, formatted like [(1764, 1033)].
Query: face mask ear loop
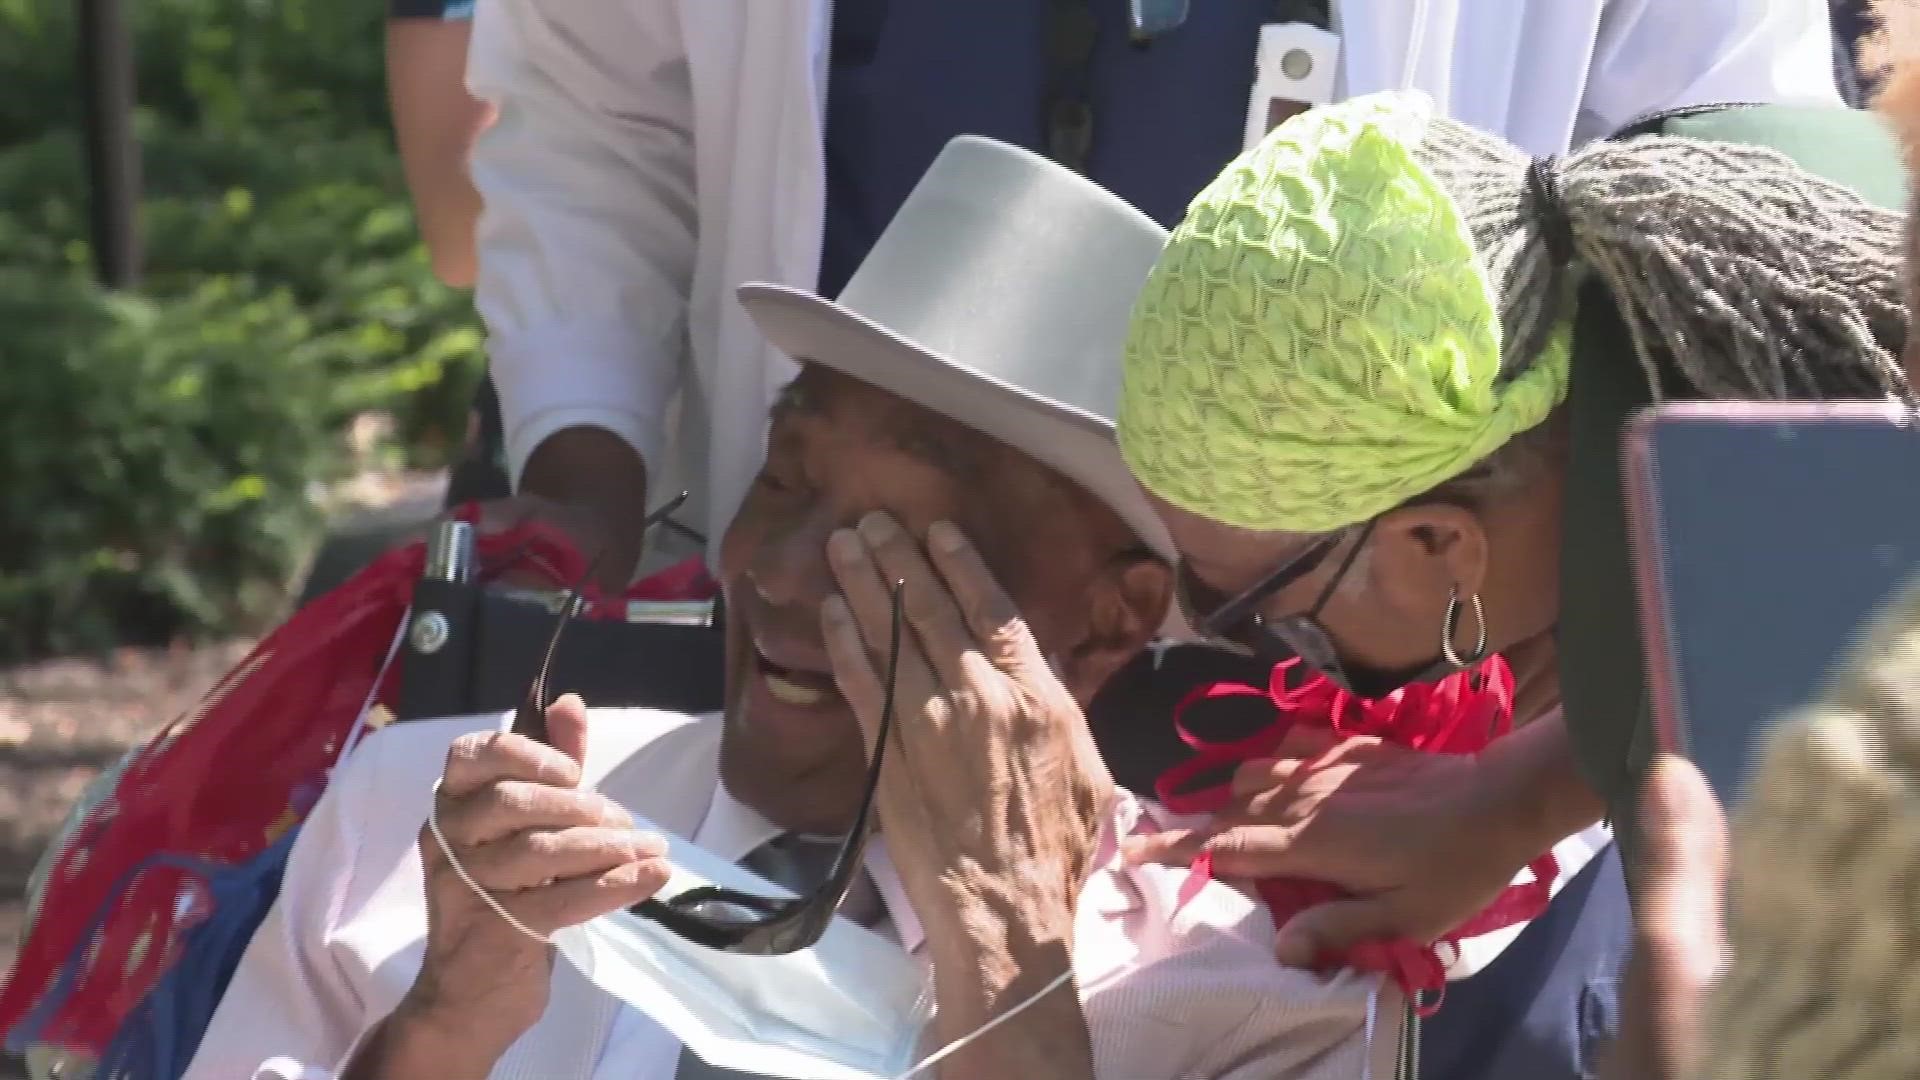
[(1372, 1030), (446, 850), (953, 1047)]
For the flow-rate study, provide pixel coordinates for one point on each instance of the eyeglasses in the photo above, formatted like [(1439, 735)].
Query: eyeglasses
[(727, 919), (1238, 622)]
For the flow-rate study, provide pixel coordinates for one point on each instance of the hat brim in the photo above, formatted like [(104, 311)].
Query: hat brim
[(1071, 441)]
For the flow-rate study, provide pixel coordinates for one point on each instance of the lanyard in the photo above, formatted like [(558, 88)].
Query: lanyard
[(1407, 1064), (1073, 31)]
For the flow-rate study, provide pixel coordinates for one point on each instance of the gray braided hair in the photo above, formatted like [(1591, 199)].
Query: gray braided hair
[(1730, 266)]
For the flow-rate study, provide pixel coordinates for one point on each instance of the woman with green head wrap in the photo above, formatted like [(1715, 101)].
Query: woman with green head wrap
[(1344, 392)]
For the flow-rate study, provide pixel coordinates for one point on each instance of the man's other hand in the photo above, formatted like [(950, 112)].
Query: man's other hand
[(548, 852)]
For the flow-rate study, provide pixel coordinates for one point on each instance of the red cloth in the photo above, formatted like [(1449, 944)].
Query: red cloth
[(220, 785), (1459, 714)]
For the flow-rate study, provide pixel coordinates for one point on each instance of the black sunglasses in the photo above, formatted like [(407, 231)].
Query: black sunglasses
[(727, 919)]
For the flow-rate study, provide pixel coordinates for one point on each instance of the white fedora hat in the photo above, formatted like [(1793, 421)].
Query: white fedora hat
[(998, 296)]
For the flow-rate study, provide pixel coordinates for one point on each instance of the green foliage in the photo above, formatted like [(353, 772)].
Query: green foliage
[(162, 450)]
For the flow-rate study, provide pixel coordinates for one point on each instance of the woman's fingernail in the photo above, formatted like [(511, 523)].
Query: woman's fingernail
[(945, 536), (835, 610), (1293, 951)]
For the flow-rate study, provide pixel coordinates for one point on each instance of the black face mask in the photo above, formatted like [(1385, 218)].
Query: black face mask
[(1374, 685)]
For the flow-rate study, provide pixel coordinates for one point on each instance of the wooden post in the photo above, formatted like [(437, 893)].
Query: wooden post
[(113, 153)]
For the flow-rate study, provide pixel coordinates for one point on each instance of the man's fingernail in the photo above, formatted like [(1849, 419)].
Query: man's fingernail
[(844, 547), (878, 527), (648, 845), (945, 536)]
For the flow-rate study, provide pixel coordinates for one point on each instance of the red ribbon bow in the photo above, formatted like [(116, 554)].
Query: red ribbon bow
[(1459, 714)]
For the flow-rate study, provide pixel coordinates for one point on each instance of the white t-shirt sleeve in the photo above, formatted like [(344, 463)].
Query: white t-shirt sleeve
[(1661, 54), (588, 237)]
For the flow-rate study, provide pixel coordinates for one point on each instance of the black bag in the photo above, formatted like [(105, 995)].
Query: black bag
[(471, 649)]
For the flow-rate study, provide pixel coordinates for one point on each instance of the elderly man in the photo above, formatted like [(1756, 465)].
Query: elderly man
[(956, 396)]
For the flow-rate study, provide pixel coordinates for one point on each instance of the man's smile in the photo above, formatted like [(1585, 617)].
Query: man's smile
[(790, 675), (798, 682)]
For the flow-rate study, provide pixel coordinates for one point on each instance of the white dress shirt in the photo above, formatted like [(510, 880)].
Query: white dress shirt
[(1175, 980), (639, 1048), (651, 155)]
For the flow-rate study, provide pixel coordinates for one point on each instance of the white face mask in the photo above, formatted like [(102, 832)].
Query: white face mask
[(852, 1007)]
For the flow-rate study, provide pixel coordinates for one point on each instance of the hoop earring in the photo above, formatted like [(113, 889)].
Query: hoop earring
[(1453, 624)]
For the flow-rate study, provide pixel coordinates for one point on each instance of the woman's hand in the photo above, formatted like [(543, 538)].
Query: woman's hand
[(1407, 833)]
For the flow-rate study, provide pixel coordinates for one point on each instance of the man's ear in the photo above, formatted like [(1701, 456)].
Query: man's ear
[(1126, 604), (1422, 551)]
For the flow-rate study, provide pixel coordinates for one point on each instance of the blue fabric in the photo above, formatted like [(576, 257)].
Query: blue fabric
[(909, 75), (160, 1035), (1547, 1007), (438, 10)]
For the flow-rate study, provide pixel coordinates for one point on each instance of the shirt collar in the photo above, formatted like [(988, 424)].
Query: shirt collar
[(893, 892), (732, 830)]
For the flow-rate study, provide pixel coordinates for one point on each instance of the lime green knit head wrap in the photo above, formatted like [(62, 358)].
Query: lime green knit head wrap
[(1322, 339)]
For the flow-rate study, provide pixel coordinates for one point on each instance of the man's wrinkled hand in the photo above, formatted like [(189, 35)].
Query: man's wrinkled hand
[(991, 789), (548, 852), (1411, 835)]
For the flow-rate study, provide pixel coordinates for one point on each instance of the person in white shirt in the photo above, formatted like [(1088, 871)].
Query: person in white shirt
[(653, 153), (967, 377)]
